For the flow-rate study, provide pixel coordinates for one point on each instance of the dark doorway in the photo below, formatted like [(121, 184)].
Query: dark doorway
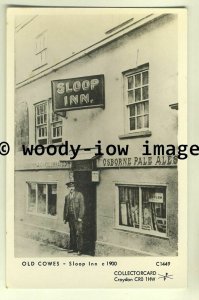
[(88, 189)]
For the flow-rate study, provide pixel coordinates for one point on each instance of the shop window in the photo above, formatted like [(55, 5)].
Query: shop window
[(42, 198), (137, 99), (41, 50), (142, 209), (48, 124)]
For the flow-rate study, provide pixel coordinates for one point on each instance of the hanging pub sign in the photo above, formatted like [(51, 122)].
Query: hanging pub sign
[(78, 93)]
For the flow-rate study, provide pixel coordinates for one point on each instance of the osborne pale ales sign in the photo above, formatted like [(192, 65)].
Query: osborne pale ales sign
[(78, 93)]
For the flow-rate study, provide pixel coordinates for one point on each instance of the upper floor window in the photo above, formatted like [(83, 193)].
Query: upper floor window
[(48, 124), (137, 98), (41, 50)]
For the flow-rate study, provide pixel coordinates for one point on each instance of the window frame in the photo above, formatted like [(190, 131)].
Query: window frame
[(40, 126), (46, 215), (126, 74), (133, 229), (52, 122), (42, 50), (49, 124)]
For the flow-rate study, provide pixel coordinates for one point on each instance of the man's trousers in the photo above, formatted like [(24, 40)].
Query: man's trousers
[(76, 234)]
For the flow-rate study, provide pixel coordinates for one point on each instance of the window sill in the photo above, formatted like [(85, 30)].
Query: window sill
[(135, 134), (143, 232)]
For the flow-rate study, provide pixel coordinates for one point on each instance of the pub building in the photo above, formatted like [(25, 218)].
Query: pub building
[(120, 90)]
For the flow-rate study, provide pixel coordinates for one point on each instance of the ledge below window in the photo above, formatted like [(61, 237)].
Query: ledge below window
[(135, 134), (142, 232)]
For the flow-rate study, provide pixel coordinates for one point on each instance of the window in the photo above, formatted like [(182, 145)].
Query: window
[(41, 50), (137, 98), (48, 124), (42, 198), (41, 122), (142, 209), (56, 127)]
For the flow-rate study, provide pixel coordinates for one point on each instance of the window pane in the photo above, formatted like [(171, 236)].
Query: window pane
[(146, 121), (132, 124), (139, 122), (132, 110), (130, 82), (32, 197), (140, 108), (57, 140), (131, 97), (134, 206), (52, 199), (41, 208), (45, 131), (145, 94), (137, 94), (42, 122), (129, 206), (154, 209), (146, 107), (42, 141), (60, 131), (145, 77), (54, 132), (137, 80)]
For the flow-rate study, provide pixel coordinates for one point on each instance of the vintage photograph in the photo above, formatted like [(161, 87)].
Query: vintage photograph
[(95, 90)]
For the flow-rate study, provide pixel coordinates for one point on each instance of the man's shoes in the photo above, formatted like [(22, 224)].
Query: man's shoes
[(71, 251)]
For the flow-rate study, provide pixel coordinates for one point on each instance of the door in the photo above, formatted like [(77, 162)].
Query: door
[(88, 189)]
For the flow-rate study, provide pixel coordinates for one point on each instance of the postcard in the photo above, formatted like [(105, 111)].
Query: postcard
[(96, 173)]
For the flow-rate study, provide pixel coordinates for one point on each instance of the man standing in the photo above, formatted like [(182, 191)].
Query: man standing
[(73, 213)]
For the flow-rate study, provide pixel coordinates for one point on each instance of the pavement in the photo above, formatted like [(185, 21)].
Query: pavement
[(25, 247)]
